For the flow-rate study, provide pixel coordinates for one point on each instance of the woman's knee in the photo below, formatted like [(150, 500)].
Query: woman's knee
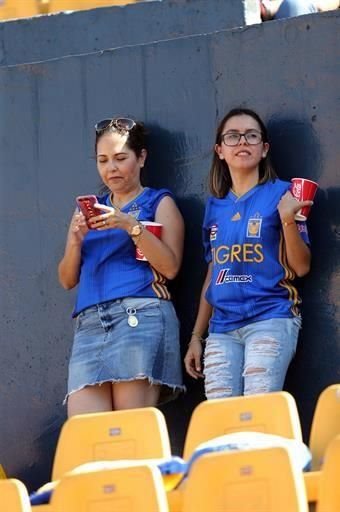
[(96, 398)]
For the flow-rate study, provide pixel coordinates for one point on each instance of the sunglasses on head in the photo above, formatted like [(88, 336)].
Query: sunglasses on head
[(124, 124)]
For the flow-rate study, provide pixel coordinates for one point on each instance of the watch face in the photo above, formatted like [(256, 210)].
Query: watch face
[(136, 230)]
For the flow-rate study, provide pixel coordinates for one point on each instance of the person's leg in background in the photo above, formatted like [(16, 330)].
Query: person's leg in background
[(290, 8)]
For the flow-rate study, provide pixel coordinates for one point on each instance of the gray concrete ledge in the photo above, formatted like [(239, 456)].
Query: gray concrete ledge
[(73, 33)]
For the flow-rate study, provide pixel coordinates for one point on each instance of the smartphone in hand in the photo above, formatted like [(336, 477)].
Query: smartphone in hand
[(85, 204)]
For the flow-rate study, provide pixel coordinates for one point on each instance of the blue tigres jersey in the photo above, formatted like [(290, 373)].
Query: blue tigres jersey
[(109, 269), (243, 238)]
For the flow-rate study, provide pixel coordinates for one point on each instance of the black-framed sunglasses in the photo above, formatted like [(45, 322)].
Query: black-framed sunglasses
[(124, 124), (252, 137)]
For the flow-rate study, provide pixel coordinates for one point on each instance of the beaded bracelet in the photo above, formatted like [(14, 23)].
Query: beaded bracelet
[(290, 222), (198, 337)]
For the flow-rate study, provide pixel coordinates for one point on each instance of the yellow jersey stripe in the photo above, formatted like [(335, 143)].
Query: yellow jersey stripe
[(159, 285), (293, 295)]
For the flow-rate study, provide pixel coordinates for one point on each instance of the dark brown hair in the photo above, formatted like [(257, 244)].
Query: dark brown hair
[(219, 176), (136, 140)]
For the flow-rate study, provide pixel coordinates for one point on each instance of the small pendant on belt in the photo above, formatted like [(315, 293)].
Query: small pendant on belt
[(132, 319)]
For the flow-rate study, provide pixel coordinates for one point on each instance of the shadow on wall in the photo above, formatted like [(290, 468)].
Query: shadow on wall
[(38, 473), (296, 152), (167, 167), (295, 148)]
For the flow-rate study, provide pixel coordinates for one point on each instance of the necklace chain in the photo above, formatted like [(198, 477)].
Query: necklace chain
[(129, 201)]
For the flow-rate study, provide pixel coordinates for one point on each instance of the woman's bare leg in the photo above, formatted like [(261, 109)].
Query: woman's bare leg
[(90, 399), (134, 394)]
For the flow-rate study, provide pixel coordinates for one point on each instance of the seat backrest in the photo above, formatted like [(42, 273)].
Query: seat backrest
[(325, 423), (67, 5), (2, 472), (329, 488), (123, 488), (14, 496), (128, 434), (18, 9), (261, 480), (271, 413)]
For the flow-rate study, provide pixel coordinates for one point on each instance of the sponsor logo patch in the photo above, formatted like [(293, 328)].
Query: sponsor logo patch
[(224, 277)]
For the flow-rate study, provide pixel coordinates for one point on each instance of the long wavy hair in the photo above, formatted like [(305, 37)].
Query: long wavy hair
[(219, 177)]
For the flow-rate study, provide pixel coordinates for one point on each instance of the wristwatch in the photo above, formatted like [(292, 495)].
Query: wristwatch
[(137, 229)]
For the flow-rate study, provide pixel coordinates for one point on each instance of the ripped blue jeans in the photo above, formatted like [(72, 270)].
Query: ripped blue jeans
[(252, 359)]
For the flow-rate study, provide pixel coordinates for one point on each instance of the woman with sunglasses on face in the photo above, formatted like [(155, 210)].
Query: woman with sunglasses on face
[(254, 249), (126, 344)]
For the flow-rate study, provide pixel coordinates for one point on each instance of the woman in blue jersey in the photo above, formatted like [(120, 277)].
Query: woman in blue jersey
[(254, 248), (126, 345)]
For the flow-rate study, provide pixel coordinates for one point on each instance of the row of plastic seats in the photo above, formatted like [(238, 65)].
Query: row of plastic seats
[(265, 480), (142, 433), (96, 437)]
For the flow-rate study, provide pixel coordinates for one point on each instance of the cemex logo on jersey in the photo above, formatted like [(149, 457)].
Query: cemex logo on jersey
[(224, 277)]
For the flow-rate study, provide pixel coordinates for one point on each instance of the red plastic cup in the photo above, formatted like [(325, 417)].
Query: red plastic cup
[(153, 227), (303, 190)]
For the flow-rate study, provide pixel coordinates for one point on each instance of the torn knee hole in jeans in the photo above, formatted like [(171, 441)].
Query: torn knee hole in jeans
[(213, 359), (215, 379), (254, 371), (212, 392), (266, 346), (217, 372)]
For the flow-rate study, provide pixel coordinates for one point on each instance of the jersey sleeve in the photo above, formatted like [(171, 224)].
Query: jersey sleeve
[(163, 192)]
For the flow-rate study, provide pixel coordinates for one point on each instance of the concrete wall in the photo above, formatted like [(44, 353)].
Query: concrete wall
[(287, 70), (73, 33)]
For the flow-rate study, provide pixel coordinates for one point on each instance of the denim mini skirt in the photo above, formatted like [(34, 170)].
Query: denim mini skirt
[(124, 340)]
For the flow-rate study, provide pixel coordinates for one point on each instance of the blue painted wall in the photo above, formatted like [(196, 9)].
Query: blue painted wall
[(287, 70)]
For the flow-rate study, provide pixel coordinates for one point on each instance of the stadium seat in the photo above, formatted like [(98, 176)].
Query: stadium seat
[(329, 488), (70, 5), (10, 9), (127, 486), (14, 496), (272, 413), (264, 480), (127, 434), (2, 472), (325, 423)]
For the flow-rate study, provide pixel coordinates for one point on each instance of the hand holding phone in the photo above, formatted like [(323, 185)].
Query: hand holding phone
[(86, 206)]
